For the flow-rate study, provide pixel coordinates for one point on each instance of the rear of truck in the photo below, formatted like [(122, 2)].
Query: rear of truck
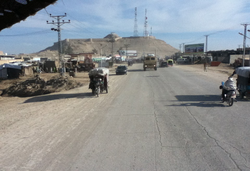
[(150, 61)]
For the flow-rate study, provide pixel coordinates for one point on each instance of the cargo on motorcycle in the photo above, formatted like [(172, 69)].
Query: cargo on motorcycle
[(99, 78), (228, 91)]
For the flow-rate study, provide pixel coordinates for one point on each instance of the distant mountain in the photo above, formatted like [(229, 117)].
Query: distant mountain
[(104, 46)]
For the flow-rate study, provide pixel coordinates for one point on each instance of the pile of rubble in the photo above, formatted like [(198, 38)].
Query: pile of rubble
[(38, 86)]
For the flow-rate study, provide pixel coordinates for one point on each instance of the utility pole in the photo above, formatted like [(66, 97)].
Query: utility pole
[(58, 23), (126, 46), (244, 44), (206, 42), (206, 49)]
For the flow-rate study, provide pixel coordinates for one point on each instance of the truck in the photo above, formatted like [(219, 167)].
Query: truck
[(150, 61), (86, 65)]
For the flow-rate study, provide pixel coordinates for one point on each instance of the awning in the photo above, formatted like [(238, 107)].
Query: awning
[(14, 11)]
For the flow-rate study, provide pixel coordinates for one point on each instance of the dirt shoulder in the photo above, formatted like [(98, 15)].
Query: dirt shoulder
[(81, 78), (222, 68), (221, 72), (44, 83)]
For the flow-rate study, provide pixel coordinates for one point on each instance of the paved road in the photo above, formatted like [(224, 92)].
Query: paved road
[(169, 119)]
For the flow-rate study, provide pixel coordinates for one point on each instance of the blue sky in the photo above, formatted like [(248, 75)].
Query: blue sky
[(174, 21)]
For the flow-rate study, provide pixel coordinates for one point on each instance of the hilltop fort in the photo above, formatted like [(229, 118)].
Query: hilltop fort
[(111, 45)]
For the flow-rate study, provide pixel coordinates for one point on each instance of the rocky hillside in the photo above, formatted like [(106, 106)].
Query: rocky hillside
[(104, 46)]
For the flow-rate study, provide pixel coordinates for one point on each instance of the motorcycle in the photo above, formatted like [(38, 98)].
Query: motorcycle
[(229, 96), (98, 80), (98, 86)]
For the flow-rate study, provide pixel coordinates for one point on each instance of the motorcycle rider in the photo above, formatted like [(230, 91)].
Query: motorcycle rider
[(229, 85)]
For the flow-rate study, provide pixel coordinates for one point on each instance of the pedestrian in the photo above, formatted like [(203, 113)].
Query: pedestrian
[(205, 66)]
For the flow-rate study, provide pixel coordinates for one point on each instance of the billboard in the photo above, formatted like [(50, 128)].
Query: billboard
[(130, 53), (194, 48)]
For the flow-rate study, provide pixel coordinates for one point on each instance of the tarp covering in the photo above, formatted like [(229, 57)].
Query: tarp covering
[(10, 66), (9, 71), (99, 71), (243, 71)]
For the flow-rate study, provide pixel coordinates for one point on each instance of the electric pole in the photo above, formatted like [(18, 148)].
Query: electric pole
[(206, 42), (206, 49), (244, 44), (58, 23)]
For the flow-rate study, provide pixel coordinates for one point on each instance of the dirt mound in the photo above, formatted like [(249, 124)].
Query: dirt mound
[(38, 86)]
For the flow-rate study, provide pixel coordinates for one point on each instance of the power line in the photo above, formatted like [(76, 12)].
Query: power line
[(80, 26), (27, 34), (76, 23)]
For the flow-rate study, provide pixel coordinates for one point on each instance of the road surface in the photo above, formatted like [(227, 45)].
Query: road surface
[(169, 119)]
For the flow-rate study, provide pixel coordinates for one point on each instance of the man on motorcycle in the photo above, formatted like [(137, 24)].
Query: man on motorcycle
[(229, 85)]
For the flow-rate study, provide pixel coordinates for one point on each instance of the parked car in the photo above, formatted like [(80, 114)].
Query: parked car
[(121, 70)]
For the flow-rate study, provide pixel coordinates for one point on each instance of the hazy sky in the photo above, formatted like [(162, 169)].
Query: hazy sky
[(174, 21)]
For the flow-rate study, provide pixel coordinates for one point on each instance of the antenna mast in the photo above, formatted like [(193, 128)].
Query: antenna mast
[(135, 26), (146, 24)]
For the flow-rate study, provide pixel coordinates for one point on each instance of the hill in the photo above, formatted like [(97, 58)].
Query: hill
[(112, 42)]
